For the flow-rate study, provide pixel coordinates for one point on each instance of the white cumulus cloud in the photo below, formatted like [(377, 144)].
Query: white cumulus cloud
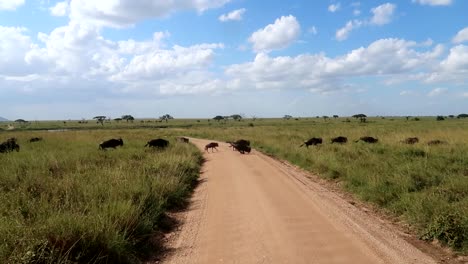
[(343, 33), (462, 36), (278, 35), (158, 64), (10, 4), (59, 9), (387, 58), (383, 14), (14, 43), (434, 2), (457, 59), (127, 12), (235, 15)]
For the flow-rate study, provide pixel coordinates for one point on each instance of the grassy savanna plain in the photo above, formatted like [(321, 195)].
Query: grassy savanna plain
[(425, 186), (64, 201)]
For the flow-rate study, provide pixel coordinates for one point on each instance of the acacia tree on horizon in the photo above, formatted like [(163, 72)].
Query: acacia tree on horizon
[(128, 118), (218, 118), (166, 117), (100, 119), (236, 117)]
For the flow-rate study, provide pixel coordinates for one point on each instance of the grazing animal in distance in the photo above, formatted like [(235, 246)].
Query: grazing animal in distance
[(183, 139), (157, 143), (436, 142), (35, 139), (411, 140), (339, 139), (368, 140), (9, 145), (211, 146), (111, 143), (313, 141)]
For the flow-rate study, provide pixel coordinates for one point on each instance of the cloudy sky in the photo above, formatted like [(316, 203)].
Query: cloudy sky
[(200, 58)]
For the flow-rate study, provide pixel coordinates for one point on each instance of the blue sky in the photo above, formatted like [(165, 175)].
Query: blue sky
[(190, 58)]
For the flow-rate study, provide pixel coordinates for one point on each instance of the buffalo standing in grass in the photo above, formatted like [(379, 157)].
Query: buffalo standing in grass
[(35, 139), (157, 143), (211, 146), (312, 141), (411, 140), (368, 140), (340, 140), (436, 142), (111, 143), (9, 145)]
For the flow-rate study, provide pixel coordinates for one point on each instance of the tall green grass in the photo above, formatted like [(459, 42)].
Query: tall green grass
[(64, 201)]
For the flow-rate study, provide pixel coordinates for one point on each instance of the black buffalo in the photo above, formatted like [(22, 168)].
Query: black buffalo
[(242, 142), (339, 139), (312, 141), (157, 143), (111, 143), (368, 140), (9, 145), (211, 146), (35, 139), (411, 140), (241, 145), (243, 149)]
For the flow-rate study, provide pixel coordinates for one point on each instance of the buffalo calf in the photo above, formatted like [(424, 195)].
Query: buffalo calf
[(211, 146)]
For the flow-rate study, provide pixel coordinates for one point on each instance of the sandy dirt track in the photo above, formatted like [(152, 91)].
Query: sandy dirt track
[(254, 209)]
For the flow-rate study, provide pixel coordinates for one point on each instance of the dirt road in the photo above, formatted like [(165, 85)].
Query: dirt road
[(254, 209)]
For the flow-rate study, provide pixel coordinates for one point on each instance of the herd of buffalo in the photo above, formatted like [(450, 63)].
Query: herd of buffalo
[(241, 145), (342, 140), (153, 143), (11, 144)]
